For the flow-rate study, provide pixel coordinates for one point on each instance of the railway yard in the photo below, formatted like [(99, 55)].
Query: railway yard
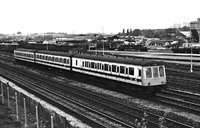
[(86, 104)]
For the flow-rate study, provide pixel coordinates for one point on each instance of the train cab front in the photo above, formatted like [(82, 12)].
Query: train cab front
[(154, 78)]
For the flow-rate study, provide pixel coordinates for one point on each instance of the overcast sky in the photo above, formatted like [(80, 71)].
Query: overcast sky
[(91, 16)]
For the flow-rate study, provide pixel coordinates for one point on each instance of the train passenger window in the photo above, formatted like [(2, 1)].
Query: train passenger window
[(76, 62), (114, 68), (148, 73), (106, 67), (95, 65), (126, 70), (139, 72), (161, 70), (98, 66), (122, 69), (67, 61), (61, 60), (102, 66), (92, 64), (110, 68), (117, 69), (131, 71), (52, 58), (82, 63), (88, 64), (155, 72)]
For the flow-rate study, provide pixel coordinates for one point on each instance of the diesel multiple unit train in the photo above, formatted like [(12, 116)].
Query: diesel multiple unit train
[(139, 75)]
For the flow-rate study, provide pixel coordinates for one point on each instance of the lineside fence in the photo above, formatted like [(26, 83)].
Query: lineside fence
[(29, 111)]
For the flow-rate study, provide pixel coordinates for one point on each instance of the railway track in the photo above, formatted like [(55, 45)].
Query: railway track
[(68, 103), (178, 99), (123, 111)]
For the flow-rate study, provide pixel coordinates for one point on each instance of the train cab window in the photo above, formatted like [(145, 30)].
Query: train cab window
[(106, 67), (131, 71), (114, 68), (161, 70), (155, 72), (148, 73), (122, 69)]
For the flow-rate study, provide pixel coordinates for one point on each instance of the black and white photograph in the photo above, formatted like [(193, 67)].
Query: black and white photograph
[(99, 64)]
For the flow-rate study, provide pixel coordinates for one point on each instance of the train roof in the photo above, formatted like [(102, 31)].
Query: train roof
[(25, 50), (55, 53), (112, 59), (122, 60)]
